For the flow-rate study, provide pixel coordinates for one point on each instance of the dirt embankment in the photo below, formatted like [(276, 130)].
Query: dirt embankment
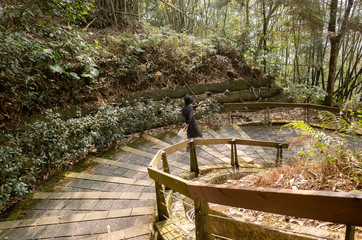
[(159, 70)]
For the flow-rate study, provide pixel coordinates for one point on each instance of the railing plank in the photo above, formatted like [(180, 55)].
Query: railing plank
[(231, 228), (345, 208), (156, 159), (254, 105), (212, 141), (261, 143), (176, 147), (173, 182)]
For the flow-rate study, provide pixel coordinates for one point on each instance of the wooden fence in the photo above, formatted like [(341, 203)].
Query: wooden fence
[(337, 207), (268, 105)]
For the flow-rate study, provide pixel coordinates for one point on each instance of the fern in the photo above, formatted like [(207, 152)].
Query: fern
[(306, 129), (321, 140)]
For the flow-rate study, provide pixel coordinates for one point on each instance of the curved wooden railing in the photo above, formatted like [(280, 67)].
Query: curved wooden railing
[(268, 105), (337, 207)]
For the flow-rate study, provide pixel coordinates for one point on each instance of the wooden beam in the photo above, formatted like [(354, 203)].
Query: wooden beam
[(264, 105), (212, 141), (162, 212), (156, 159), (175, 183), (261, 105), (194, 166), (176, 147), (202, 221), (350, 232), (338, 207), (164, 162), (261, 143), (221, 226)]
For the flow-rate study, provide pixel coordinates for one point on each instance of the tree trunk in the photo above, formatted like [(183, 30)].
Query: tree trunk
[(335, 40), (264, 35), (247, 12)]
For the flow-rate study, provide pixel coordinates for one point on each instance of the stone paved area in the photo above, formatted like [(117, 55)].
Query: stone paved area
[(115, 199)]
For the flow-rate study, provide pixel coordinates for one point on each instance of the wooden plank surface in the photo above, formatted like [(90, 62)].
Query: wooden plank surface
[(338, 207), (212, 141), (156, 159), (176, 147), (173, 182)]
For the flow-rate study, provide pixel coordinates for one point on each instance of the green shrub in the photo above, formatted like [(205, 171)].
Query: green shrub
[(48, 145), (15, 168)]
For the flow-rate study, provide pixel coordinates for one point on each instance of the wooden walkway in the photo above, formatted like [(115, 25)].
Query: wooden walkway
[(115, 199)]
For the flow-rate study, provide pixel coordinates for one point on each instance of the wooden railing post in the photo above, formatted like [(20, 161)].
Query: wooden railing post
[(164, 162), (234, 154), (202, 221), (349, 232), (308, 120), (265, 116), (193, 159), (161, 203), (279, 157), (232, 161)]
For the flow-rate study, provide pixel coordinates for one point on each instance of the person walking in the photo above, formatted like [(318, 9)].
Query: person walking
[(188, 119)]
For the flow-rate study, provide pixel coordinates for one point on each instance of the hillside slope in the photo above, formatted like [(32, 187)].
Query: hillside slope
[(50, 63)]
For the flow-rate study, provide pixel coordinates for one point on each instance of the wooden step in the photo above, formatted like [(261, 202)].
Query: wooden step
[(112, 179), (94, 195), (121, 164), (78, 217)]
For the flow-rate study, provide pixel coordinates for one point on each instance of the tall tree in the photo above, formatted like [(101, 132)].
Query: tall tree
[(335, 39)]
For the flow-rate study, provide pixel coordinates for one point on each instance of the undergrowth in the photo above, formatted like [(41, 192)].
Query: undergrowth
[(332, 163), (342, 173), (49, 145), (51, 63)]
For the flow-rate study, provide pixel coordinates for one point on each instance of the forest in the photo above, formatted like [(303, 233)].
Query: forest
[(66, 64), (311, 48)]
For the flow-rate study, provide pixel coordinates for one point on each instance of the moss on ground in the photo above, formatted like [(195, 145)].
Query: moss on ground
[(18, 210), (48, 186), (165, 135), (110, 152), (137, 142), (84, 165)]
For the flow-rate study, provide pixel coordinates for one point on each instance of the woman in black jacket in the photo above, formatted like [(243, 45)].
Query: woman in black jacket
[(187, 117)]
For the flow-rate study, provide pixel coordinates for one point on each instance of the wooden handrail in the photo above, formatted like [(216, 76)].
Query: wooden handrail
[(213, 141), (175, 183), (254, 105), (261, 143), (176, 147), (337, 207), (156, 159)]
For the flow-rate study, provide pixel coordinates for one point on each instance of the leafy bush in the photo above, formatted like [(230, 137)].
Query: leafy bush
[(49, 145), (335, 153), (40, 60), (304, 93)]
